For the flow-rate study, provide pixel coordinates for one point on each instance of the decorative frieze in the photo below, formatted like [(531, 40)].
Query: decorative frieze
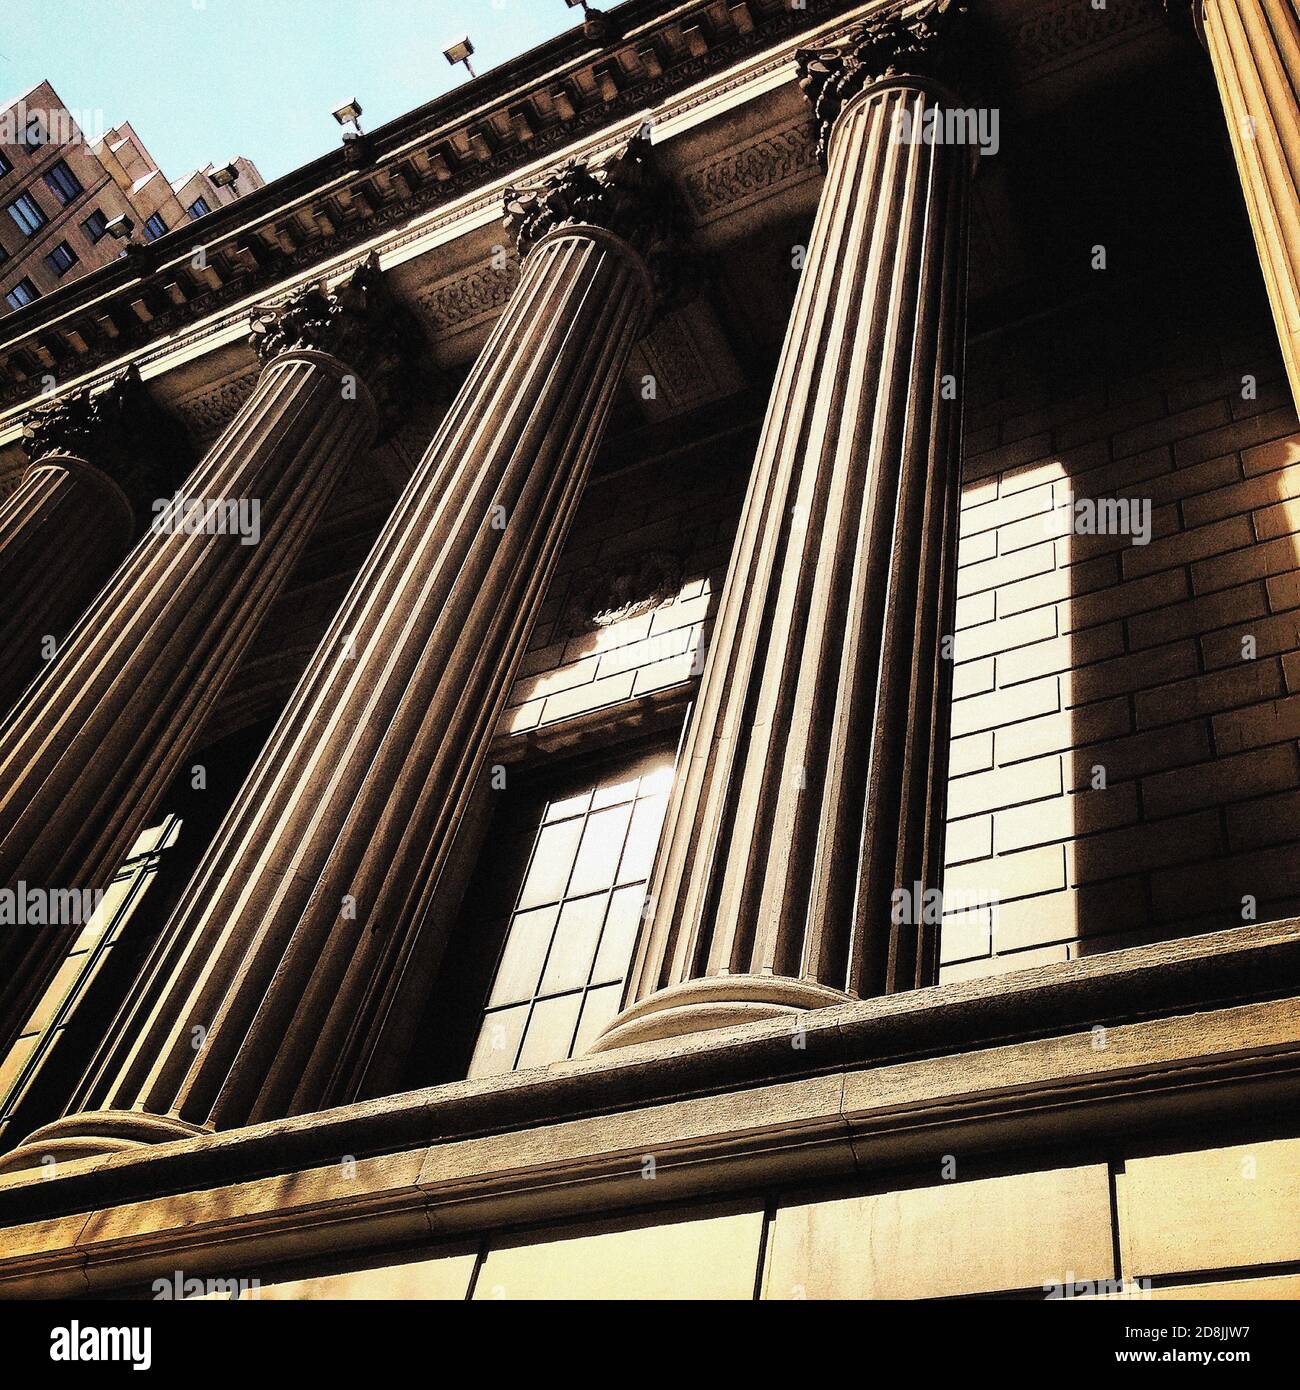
[(740, 176), (456, 303), (207, 412)]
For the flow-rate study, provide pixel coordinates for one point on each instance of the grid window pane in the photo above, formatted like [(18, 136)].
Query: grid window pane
[(569, 964), (22, 293), (26, 213), (621, 925), (63, 183), (550, 1030), (525, 955), (601, 849), (570, 939), (498, 1041), (548, 874), (600, 1008)]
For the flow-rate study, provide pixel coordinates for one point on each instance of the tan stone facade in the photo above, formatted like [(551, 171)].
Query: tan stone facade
[(688, 515)]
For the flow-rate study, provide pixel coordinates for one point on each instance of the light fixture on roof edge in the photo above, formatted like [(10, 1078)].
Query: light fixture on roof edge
[(596, 25), (459, 52)]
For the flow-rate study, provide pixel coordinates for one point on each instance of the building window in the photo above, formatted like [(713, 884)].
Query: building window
[(154, 227), (26, 213), (198, 208), (22, 293), (4, 255), (5, 166), (89, 953), (572, 922), (95, 226), (61, 259), (63, 182)]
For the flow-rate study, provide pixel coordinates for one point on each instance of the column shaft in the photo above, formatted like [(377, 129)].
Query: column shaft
[(1254, 46), (61, 534), (288, 944), (811, 783), (92, 745)]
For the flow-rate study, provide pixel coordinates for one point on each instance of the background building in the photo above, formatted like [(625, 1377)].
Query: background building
[(60, 189), (669, 552)]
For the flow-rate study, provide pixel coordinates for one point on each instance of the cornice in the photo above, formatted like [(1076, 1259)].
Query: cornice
[(324, 219), (480, 134)]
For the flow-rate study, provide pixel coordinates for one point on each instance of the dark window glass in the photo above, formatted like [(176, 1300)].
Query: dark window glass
[(154, 227), (26, 213), (22, 293), (63, 182), (198, 208), (95, 226), (62, 258), (5, 166)]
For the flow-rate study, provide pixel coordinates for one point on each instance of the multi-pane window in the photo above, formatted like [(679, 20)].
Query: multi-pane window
[(22, 293), (198, 208), (95, 226), (62, 258), (26, 213), (154, 226), (64, 184), (575, 918), (100, 934), (5, 166)]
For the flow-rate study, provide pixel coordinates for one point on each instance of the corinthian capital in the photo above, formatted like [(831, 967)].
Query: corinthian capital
[(907, 42), (624, 195), (119, 430), (359, 323)]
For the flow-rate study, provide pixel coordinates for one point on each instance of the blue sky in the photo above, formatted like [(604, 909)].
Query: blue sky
[(210, 79)]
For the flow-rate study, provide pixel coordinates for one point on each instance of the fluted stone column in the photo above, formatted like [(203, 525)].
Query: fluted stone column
[(811, 783), (92, 745), (95, 462), (1254, 46), (288, 945)]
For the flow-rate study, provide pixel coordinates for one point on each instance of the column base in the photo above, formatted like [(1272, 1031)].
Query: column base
[(94, 1134), (716, 1001)]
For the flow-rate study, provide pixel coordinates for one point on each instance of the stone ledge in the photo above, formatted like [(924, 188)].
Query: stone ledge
[(1221, 968), (876, 1083)]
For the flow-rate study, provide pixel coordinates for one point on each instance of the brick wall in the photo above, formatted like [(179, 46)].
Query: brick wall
[(1123, 768), (1125, 718), (684, 513)]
